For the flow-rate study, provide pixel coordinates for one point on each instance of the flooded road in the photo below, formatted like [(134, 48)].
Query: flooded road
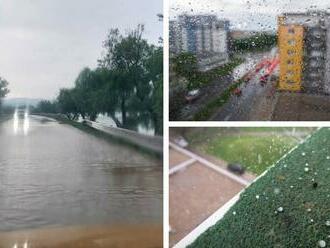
[(54, 175)]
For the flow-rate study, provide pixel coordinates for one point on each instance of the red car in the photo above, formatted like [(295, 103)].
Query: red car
[(264, 79)]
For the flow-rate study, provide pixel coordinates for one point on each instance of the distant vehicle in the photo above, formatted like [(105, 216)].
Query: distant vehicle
[(21, 112), (264, 79), (192, 95), (236, 168)]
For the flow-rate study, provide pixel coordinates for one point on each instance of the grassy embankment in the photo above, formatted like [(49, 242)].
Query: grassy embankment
[(206, 112), (287, 207), (185, 66), (254, 148)]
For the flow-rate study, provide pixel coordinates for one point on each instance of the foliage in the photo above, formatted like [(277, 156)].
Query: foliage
[(185, 65), (176, 100), (254, 43), (3, 89), (128, 81), (287, 207), (46, 106), (137, 77), (67, 104), (255, 153), (211, 106)]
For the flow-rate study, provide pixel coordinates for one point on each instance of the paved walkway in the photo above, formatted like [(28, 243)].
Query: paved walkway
[(198, 188), (301, 107)]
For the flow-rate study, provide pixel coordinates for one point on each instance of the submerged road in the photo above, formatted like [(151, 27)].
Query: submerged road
[(54, 175)]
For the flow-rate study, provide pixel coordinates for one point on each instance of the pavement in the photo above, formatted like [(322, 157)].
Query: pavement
[(256, 101), (198, 187), (208, 92), (301, 107)]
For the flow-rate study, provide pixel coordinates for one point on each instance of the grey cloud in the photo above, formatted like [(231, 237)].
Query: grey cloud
[(45, 43)]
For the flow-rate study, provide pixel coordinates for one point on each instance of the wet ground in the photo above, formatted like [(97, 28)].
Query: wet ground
[(256, 101), (207, 93), (301, 107), (195, 193), (53, 175)]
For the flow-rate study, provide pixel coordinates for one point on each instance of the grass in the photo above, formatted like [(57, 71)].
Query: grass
[(206, 112), (220, 71), (198, 136), (303, 196), (255, 153)]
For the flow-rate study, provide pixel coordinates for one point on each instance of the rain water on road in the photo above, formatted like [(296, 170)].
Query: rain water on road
[(52, 174)]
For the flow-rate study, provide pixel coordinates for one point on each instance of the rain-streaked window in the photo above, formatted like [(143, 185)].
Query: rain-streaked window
[(248, 60)]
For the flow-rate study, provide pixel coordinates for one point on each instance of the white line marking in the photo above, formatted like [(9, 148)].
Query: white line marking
[(181, 166), (210, 165)]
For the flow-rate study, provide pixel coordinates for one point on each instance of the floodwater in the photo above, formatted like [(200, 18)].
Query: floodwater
[(54, 175)]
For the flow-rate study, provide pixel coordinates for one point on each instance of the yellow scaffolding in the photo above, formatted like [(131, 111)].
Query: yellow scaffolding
[(290, 42)]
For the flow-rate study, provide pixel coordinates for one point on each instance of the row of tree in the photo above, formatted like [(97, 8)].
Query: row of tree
[(257, 42), (127, 85), (3, 90)]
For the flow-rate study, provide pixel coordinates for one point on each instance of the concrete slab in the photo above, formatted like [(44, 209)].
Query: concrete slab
[(195, 194), (301, 107)]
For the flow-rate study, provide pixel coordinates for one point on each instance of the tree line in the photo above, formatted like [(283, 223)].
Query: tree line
[(127, 84), (257, 42), (3, 90)]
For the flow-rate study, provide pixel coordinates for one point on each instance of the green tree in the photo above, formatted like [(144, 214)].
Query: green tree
[(87, 87), (125, 57), (67, 104), (3, 89), (46, 106)]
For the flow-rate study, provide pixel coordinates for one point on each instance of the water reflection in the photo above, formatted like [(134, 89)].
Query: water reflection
[(57, 175), (26, 123), (15, 122), (20, 114), (25, 245)]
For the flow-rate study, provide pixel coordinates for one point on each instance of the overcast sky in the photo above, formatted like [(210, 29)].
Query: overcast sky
[(45, 43), (246, 14)]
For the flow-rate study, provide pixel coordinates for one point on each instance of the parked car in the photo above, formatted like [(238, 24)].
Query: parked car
[(236, 168)]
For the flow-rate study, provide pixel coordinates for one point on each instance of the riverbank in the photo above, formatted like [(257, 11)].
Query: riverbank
[(104, 135), (148, 236)]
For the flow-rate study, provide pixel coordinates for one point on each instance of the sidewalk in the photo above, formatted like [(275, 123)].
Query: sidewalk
[(197, 189)]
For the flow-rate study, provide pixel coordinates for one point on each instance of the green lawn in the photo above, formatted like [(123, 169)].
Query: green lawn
[(255, 153), (288, 207)]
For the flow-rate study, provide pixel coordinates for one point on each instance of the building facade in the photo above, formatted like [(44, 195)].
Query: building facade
[(304, 46), (202, 35)]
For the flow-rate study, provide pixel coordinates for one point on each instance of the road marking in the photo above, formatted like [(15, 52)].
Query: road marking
[(181, 166), (210, 165)]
